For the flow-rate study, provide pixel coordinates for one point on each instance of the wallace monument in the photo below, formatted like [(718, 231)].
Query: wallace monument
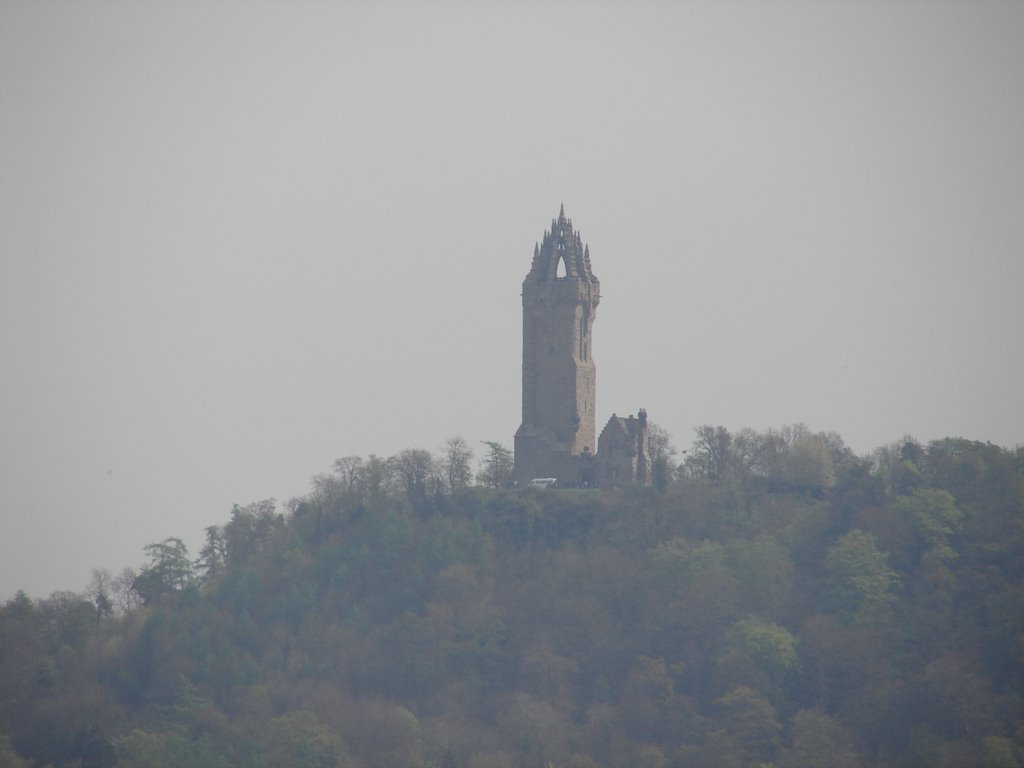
[(556, 439)]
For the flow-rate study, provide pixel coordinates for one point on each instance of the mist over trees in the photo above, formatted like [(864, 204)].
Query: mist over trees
[(773, 599)]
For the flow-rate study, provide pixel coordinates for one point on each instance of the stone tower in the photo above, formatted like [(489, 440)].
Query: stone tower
[(560, 297)]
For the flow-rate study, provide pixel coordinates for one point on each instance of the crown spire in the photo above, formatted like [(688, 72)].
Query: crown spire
[(563, 244)]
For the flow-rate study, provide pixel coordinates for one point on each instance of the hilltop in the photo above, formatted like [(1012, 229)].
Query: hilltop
[(772, 600)]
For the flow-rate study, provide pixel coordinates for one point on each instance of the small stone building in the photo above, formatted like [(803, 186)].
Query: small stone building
[(623, 451)]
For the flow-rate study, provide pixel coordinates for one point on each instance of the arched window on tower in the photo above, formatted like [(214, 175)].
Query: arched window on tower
[(560, 265)]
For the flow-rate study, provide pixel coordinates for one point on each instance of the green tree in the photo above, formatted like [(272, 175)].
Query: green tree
[(300, 740), (169, 570), (808, 464), (771, 647), (535, 731), (720, 750), (651, 757), (859, 582), (935, 518), (820, 741), (751, 722), (766, 575), (646, 700), (975, 473), (898, 465), (140, 748), (380, 480), (675, 561), (214, 554), (251, 529), (693, 598)]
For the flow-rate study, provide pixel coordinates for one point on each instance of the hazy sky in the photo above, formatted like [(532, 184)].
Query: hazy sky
[(239, 240)]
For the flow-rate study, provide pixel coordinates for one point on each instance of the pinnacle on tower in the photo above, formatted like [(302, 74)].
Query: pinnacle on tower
[(562, 245)]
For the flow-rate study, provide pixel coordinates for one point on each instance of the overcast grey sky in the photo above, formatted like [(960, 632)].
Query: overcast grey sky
[(239, 240)]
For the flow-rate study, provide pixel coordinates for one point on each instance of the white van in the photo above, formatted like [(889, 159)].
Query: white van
[(544, 482)]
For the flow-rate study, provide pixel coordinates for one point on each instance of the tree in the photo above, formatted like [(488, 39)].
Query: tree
[(351, 472), (214, 554), (772, 449), (766, 573), (676, 561), (748, 453), (385, 733), (771, 647), (973, 472), (125, 596), (169, 570), (659, 445), (156, 749), (300, 740), (808, 464), (534, 730), (495, 465), (99, 590), (652, 757), (415, 468), (694, 595), (69, 618), (709, 457), (953, 698), (897, 465), (344, 489), (455, 462), (935, 518), (250, 529), (843, 458), (92, 749), (859, 581), (719, 750), (380, 480), (751, 722), (820, 741), (647, 697)]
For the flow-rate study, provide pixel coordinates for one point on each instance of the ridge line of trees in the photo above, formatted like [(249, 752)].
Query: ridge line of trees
[(774, 600)]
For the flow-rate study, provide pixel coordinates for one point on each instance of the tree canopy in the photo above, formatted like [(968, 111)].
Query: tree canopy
[(774, 600)]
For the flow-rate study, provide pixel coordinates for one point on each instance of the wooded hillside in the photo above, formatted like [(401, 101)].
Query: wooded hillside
[(775, 600)]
